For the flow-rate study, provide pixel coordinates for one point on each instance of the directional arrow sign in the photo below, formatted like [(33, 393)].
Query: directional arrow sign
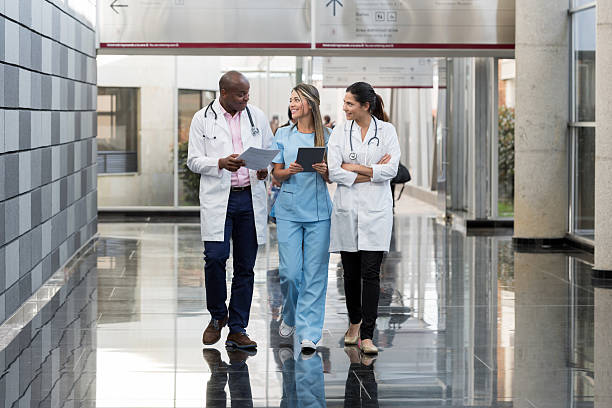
[(333, 2), (114, 6)]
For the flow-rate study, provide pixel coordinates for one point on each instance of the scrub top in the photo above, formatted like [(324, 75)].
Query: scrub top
[(303, 196)]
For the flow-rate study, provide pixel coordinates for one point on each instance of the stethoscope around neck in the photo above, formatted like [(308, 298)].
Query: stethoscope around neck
[(254, 130), (352, 154)]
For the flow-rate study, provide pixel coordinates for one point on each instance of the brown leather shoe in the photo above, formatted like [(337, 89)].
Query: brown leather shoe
[(240, 341), (212, 334)]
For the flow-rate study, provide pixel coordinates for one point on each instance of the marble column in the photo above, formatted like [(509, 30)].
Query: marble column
[(542, 100), (603, 141)]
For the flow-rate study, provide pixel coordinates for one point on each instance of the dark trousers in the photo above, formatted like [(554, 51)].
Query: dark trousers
[(240, 226), (362, 288)]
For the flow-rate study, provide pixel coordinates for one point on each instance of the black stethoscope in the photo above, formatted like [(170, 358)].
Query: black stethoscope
[(352, 154), (254, 130)]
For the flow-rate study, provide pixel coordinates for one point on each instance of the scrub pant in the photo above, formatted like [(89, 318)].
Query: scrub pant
[(303, 249), (240, 226), (362, 303)]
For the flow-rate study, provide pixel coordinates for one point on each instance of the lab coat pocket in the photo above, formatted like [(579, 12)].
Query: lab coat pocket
[(378, 224), (343, 232)]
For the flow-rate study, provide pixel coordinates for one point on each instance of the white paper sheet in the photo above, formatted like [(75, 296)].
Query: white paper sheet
[(257, 159)]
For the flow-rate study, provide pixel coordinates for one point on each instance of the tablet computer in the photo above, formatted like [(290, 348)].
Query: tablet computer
[(307, 156)]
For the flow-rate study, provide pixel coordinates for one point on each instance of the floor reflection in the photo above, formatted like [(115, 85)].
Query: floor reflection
[(463, 321), (361, 387), (234, 374)]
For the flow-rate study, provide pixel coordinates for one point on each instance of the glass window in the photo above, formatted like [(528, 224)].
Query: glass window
[(505, 159), (580, 3), (585, 181), (117, 130), (505, 149), (584, 65), (583, 110), (189, 102)]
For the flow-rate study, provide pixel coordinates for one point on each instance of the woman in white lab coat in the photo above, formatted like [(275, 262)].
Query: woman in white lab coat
[(363, 156)]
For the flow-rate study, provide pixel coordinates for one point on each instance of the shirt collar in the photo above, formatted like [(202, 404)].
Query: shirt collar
[(224, 112)]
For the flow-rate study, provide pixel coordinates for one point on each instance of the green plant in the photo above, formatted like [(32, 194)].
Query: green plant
[(506, 153), (191, 180)]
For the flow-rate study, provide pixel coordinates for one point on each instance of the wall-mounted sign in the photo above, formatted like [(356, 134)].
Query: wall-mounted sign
[(417, 24), (204, 24), (340, 72)]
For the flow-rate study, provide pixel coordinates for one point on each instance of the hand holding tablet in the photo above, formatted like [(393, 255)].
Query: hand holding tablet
[(307, 156)]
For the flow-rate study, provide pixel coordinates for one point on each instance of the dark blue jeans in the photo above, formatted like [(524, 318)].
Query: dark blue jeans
[(240, 226)]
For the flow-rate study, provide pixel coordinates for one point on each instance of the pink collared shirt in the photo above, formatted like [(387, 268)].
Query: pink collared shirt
[(240, 178)]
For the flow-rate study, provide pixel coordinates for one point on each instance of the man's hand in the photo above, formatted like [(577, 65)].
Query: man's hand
[(262, 174), (385, 159), (231, 163), (295, 168)]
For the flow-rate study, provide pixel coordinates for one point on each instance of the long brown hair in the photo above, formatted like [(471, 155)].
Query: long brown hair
[(311, 95)]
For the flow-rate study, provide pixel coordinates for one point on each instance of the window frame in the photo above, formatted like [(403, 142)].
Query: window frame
[(136, 135), (574, 125)]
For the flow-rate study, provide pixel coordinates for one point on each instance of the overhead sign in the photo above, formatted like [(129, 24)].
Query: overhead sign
[(419, 24), (204, 24), (280, 24), (340, 72)]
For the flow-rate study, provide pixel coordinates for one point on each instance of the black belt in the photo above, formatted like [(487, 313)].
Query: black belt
[(244, 188)]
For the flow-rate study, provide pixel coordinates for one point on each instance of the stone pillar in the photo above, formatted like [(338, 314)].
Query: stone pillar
[(603, 141), (542, 105), (484, 103), (603, 207)]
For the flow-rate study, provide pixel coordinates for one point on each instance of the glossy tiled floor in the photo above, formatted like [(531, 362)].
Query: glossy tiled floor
[(464, 321)]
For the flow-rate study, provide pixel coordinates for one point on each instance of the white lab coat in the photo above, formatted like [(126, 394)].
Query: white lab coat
[(210, 140), (362, 216)]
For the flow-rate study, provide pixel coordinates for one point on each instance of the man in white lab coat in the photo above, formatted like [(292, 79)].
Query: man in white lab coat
[(232, 203)]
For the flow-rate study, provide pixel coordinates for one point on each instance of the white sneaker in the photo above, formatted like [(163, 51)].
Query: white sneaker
[(308, 346), (285, 330)]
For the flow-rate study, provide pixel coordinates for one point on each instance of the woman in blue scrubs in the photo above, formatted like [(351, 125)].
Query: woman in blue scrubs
[(302, 210)]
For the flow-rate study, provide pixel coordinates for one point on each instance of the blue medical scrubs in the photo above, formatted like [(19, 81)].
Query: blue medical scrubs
[(303, 211)]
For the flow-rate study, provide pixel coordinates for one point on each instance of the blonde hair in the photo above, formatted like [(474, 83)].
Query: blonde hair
[(311, 95)]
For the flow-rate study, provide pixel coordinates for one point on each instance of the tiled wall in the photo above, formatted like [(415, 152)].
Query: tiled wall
[(52, 361), (47, 143)]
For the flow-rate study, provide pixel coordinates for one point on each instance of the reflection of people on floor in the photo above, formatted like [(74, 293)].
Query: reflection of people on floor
[(236, 374), (275, 300), (361, 387), (303, 384)]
